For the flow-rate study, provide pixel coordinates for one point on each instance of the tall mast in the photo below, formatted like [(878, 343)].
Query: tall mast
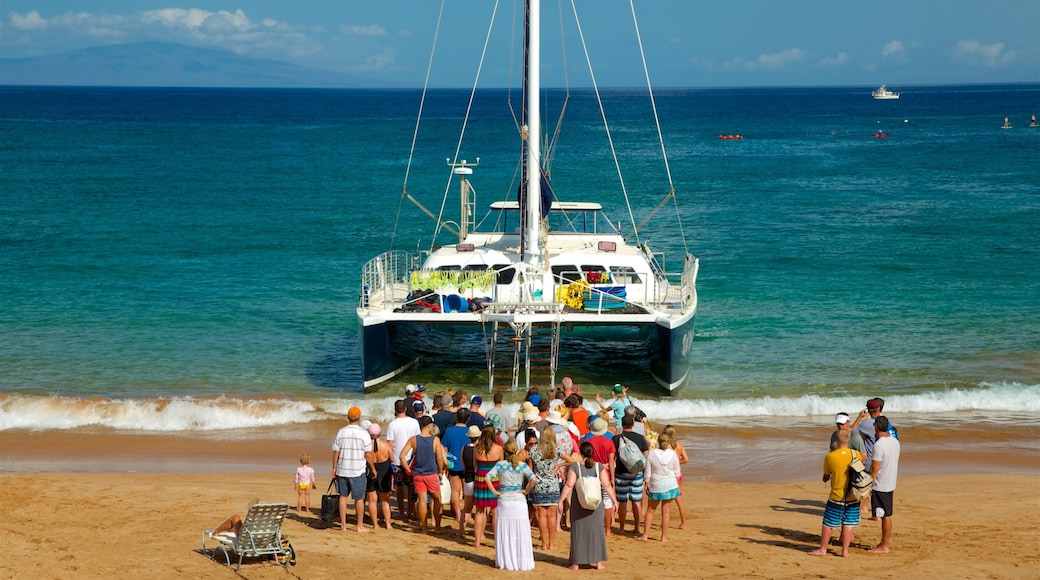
[(534, 133)]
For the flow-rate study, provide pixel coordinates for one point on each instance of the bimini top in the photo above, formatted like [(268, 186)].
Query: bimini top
[(556, 206)]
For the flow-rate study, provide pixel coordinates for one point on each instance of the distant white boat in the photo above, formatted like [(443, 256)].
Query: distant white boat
[(883, 93)]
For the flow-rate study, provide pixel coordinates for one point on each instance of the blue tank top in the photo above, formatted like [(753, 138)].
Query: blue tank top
[(425, 458)]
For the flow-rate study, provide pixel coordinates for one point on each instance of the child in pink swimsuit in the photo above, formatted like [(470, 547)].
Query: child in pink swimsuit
[(303, 482)]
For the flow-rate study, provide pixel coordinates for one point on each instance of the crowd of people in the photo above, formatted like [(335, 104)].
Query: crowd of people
[(553, 465)]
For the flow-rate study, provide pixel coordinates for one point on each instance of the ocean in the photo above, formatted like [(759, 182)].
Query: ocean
[(188, 260)]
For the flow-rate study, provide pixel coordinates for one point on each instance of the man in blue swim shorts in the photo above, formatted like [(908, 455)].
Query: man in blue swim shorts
[(628, 485), (842, 510)]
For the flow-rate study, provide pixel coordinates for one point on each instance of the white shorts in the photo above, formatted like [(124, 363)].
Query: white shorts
[(467, 489)]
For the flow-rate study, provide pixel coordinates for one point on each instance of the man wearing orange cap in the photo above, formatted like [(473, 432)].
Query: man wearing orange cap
[(351, 455)]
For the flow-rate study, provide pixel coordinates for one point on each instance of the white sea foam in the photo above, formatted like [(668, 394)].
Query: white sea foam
[(227, 412)]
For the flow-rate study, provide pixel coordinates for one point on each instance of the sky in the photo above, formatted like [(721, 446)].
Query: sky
[(721, 43)]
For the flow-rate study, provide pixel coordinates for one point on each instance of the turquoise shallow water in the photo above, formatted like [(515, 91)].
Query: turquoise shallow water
[(196, 243)]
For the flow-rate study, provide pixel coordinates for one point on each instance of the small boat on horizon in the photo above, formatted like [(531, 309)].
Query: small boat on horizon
[(733, 137), (1032, 121), (882, 94), (1007, 124)]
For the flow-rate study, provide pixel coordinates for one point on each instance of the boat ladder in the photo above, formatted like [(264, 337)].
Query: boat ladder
[(523, 353)]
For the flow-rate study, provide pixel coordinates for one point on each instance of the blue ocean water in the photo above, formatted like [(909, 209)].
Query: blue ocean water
[(190, 258)]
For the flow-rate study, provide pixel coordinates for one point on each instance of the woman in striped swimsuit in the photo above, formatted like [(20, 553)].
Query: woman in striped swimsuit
[(487, 454)]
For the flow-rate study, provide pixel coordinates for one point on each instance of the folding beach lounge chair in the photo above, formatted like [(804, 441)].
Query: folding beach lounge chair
[(261, 536)]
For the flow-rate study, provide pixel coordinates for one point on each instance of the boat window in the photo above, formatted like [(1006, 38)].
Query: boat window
[(566, 274), (624, 275), (505, 273)]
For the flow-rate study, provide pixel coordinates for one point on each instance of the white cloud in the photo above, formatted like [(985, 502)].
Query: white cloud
[(29, 21), (838, 60), (233, 31), (772, 61), (974, 53), (893, 49), (362, 30)]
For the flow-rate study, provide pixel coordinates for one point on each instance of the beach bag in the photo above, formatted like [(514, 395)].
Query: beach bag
[(445, 489), (589, 491), (631, 457), (860, 482), (330, 505)]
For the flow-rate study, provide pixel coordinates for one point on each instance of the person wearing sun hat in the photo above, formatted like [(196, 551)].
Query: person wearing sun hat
[(351, 457), (618, 405), (842, 422)]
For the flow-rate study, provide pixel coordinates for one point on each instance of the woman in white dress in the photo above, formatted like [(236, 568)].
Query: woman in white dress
[(662, 484), (513, 546)]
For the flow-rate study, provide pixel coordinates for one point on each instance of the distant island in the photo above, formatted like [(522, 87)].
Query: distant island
[(167, 64)]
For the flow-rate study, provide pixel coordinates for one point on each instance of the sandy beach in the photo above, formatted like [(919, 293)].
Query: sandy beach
[(106, 522)]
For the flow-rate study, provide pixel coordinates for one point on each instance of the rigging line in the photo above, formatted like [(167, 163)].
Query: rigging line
[(465, 122), (606, 126), (660, 137), (415, 132), (654, 212)]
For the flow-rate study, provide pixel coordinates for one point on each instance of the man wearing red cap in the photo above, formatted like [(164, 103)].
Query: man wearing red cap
[(351, 455)]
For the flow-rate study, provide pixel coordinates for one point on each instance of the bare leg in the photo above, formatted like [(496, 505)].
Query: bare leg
[(622, 512), (456, 501), (384, 499), (402, 505), (608, 519), (299, 498), (232, 524), (359, 511), (553, 524), (682, 512), (846, 539), (479, 524), (467, 514), (543, 521), (665, 518), (343, 512), (648, 519), (825, 539), (421, 508), (886, 536), (637, 513), (438, 507), (372, 513)]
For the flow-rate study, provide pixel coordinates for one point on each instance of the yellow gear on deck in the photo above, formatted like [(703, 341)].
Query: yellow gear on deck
[(572, 294)]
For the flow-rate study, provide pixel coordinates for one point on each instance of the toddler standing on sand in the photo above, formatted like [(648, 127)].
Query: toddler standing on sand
[(303, 481)]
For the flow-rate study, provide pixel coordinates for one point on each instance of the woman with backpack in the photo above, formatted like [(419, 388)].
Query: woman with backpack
[(585, 480), (662, 483)]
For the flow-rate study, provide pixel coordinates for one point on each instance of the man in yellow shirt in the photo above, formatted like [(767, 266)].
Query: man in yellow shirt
[(842, 510)]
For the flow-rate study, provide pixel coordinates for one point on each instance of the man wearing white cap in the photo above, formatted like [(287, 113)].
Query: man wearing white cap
[(842, 423)]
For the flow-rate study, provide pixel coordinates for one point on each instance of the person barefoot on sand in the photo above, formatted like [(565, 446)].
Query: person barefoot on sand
[(351, 459), (884, 469), (842, 510), (430, 461), (662, 485), (680, 450)]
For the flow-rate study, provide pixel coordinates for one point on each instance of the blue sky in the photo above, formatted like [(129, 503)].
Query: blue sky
[(687, 42)]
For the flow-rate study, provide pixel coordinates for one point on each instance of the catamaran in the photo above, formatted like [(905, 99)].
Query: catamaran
[(551, 276)]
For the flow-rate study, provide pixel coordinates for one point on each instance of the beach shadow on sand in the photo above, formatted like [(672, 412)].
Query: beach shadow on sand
[(798, 540), (489, 559), (802, 506)]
